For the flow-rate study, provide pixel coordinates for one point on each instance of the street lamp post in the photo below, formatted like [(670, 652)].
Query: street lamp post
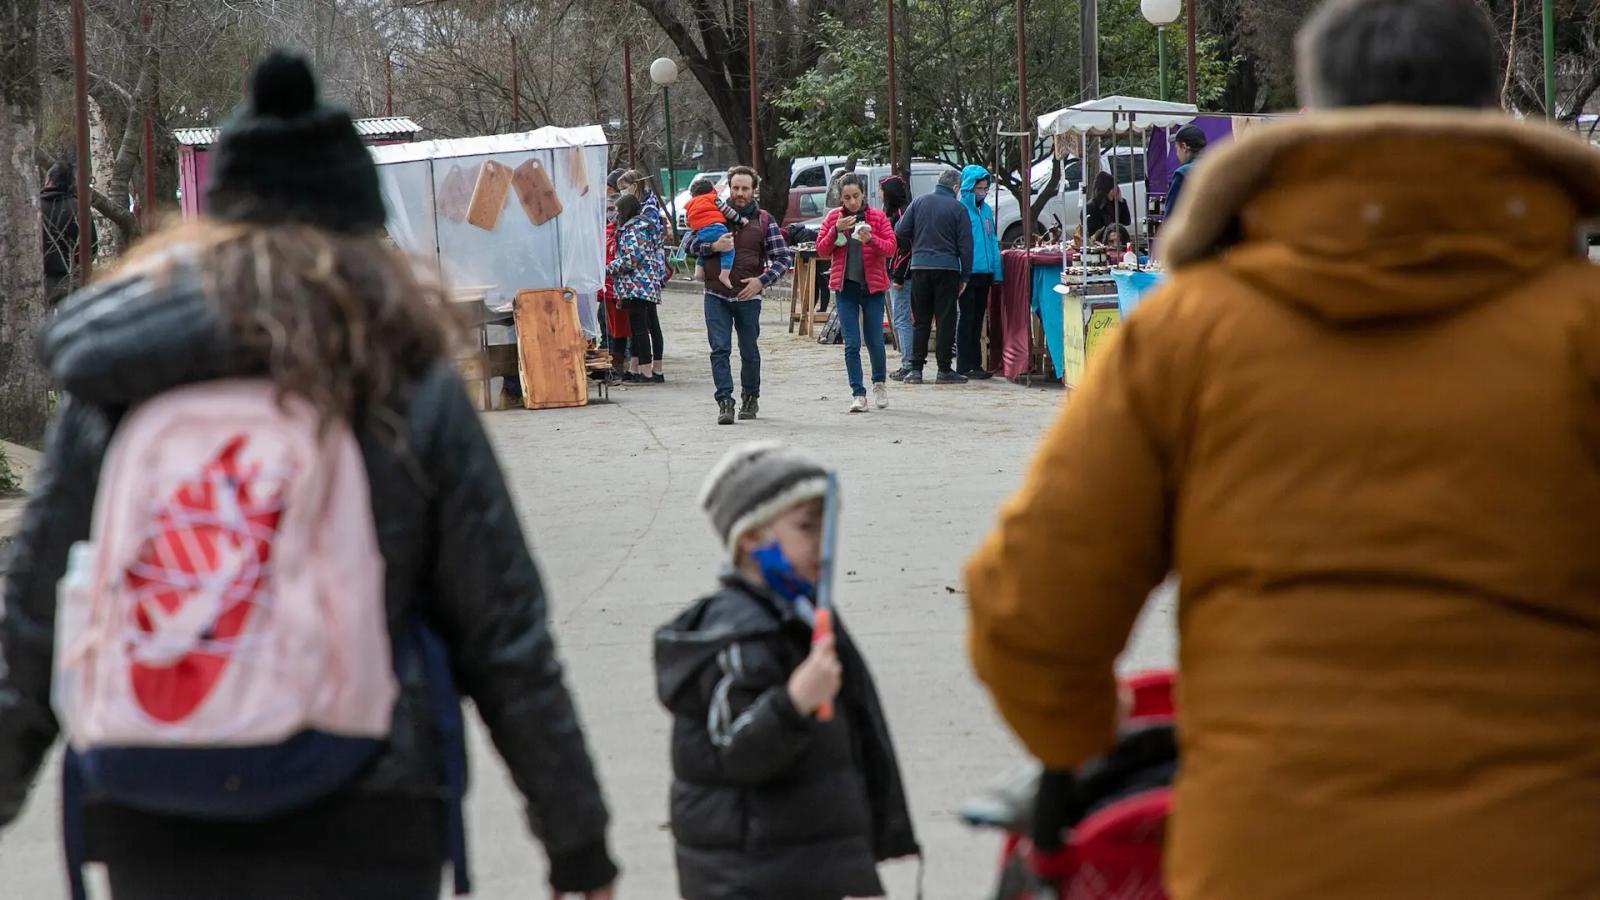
[(1161, 13), (1550, 58), (664, 72)]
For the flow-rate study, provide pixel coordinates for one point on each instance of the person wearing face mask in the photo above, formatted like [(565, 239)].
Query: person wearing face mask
[(861, 242), (773, 796), (986, 273)]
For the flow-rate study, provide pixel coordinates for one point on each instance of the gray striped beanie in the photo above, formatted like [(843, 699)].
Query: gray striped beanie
[(755, 484)]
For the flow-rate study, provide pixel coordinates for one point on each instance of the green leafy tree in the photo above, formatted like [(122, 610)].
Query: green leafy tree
[(958, 84)]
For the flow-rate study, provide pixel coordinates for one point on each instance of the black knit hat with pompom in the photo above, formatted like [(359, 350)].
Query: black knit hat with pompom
[(284, 157)]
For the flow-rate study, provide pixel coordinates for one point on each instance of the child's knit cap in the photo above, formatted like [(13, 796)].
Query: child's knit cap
[(755, 484)]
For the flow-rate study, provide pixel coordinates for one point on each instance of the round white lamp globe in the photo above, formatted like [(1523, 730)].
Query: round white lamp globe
[(1159, 13), (664, 71)]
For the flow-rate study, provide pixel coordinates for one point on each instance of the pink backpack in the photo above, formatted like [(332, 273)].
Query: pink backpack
[(222, 639)]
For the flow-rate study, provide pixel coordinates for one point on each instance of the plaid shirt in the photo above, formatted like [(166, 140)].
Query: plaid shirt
[(780, 259)]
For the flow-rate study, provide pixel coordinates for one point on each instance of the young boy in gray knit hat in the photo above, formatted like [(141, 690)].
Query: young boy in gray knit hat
[(769, 800)]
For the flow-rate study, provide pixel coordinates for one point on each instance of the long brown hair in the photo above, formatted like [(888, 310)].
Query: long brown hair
[(339, 320)]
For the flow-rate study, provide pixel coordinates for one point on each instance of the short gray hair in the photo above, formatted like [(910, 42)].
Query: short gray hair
[(950, 178), (1410, 52)]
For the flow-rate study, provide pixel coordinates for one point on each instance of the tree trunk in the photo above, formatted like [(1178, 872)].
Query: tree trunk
[(104, 156), (775, 174), (23, 382)]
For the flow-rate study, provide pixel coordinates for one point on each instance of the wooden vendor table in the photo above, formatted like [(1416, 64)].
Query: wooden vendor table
[(803, 293)]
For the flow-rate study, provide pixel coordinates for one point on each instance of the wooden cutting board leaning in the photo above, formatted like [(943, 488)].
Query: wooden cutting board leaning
[(550, 348)]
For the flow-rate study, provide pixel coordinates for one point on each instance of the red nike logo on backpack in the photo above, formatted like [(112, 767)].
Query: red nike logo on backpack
[(196, 580)]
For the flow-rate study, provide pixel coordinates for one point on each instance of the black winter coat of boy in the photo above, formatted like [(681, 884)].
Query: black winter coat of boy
[(768, 804)]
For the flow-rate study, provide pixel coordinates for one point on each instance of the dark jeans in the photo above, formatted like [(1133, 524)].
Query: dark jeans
[(221, 878), (645, 318), (861, 315), (723, 317), (974, 305), (933, 295)]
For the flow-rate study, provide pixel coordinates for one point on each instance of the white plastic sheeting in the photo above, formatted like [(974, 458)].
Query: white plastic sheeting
[(515, 255)]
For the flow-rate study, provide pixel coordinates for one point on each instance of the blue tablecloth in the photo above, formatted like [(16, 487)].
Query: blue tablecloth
[(1131, 286), (1046, 304)]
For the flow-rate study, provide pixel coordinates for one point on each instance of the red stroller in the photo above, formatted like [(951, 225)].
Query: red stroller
[(1095, 834)]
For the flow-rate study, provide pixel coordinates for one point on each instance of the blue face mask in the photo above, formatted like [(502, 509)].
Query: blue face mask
[(780, 574)]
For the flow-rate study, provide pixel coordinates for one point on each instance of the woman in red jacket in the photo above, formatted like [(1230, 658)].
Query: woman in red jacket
[(861, 242)]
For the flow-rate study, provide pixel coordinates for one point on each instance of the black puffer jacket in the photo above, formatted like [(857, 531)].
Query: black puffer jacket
[(454, 553), (768, 804)]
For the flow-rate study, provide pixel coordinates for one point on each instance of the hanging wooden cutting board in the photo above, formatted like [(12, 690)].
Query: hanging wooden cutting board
[(550, 349), (455, 192), (535, 192), (489, 195)]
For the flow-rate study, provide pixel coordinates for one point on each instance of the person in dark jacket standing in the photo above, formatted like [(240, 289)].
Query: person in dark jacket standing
[(767, 801), (896, 197), (938, 231), (1187, 144), (289, 280), (58, 210)]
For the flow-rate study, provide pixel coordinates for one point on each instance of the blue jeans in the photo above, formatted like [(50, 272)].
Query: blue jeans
[(723, 317), (710, 235), (900, 316), (861, 313)]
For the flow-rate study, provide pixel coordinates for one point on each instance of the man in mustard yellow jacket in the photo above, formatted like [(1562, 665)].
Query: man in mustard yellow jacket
[(1362, 424)]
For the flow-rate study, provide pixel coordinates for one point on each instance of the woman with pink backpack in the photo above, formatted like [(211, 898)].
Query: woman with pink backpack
[(270, 543)]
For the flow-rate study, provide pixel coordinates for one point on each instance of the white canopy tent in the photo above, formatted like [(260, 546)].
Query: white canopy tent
[(1123, 114), (502, 251)]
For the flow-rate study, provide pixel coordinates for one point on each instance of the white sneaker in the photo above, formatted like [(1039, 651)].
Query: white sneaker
[(880, 395), (858, 405)]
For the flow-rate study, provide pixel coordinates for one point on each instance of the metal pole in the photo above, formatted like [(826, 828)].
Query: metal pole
[(148, 146), (1194, 65), (894, 150), (1161, 58), (1025, 143), (388, 85), (672, 174), (627, 99), (80, 98), (750, 34), (516, 102), (1550, 58), (1089, 64)]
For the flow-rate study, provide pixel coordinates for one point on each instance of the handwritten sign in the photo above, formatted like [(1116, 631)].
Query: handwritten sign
[(1072, 345), (1102, 324)]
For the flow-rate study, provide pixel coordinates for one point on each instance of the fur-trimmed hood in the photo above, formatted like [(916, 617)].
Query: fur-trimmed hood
[(1388, 212)]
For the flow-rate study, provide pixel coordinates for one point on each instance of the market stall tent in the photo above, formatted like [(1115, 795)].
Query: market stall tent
[(504, 213), (1116, 115)]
